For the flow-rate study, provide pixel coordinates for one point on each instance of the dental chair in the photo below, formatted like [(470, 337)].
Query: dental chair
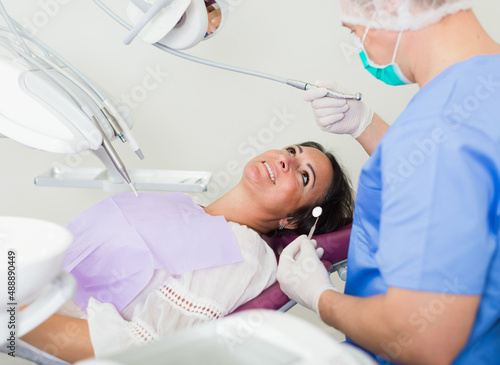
[(258, 332), (335, 244)]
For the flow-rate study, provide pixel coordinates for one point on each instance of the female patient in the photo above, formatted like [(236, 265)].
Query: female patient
[(276, 195)]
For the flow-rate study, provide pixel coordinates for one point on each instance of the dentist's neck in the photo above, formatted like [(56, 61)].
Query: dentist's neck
[(455, 38)]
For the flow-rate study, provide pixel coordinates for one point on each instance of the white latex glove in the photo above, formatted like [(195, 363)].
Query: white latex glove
[(338, 116), (301, 274)]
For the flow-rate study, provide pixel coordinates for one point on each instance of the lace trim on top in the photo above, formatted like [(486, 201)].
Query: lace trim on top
[(141, 331), (189, 303)]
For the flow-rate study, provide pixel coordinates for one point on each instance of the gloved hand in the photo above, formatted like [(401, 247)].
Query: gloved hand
[(338, 116), (301, 274)]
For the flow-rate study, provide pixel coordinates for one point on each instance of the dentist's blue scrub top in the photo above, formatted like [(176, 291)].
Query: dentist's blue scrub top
[(427, 207)]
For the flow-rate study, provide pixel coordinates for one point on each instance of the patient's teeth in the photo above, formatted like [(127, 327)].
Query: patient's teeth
[(270, 172)]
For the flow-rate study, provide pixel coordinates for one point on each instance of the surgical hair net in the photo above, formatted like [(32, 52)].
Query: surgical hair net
[(399, 15)]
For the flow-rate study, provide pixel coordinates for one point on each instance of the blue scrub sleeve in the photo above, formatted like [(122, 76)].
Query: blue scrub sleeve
[(435, 230)]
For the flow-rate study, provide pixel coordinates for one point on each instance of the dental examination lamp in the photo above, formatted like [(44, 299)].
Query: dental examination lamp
[(173, 25), (47, 104)]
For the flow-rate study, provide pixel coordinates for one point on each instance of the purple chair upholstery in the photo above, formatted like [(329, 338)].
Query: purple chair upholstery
[(335, 245)]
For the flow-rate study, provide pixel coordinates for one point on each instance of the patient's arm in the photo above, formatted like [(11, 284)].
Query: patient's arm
[(372, 135), (64, 337)]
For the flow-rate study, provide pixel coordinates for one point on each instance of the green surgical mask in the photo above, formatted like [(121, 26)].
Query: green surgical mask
[(391, 74)]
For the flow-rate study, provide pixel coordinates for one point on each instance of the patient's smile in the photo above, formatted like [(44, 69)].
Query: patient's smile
[(271, 174)]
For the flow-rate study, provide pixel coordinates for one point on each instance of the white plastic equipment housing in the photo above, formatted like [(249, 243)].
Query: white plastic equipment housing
[(181, 25), (36, 112)]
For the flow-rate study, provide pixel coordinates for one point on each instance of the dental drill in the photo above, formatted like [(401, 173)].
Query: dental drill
[(294, 83), (330, 93), (106, 144), (113, 156)]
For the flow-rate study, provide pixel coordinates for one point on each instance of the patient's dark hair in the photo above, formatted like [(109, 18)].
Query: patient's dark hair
[(337, 205)]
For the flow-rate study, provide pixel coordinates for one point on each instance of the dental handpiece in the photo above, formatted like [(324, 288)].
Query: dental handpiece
[(125, 129), (114, 124), (316, 213), (113, 156), (332, 94), (295, 83)]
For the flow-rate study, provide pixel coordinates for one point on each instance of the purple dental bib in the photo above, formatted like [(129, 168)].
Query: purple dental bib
[(119, 242)]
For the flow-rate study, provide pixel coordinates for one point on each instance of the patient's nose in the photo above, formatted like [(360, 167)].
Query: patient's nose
[(286, 162)]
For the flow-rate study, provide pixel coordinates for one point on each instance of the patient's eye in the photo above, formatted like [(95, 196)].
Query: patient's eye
[(305, 174), (305, 177)]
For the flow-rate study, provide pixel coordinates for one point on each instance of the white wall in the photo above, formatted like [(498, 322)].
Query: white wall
[(200, 118)]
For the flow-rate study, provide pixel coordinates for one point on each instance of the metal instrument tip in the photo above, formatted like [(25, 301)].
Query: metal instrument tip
[(133, 190)]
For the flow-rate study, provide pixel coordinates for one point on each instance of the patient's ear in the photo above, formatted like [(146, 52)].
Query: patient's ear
[(287, 225)]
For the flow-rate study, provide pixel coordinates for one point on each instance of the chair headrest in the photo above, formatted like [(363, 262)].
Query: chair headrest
[(335, 244)]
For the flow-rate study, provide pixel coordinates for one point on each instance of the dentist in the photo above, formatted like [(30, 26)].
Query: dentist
[(423, 283)]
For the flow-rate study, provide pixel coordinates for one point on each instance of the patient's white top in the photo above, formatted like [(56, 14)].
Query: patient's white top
[(173, 302)]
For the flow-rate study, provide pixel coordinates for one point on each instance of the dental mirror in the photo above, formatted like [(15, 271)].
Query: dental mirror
[(315, 213)]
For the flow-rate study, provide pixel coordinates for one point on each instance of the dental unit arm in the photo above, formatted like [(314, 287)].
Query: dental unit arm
[(153, 24), (47, 104)]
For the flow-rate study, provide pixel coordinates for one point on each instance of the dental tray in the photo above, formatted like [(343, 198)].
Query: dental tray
[(160, 180)]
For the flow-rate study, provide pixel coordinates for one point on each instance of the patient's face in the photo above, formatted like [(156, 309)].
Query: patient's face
[(286, 180)]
